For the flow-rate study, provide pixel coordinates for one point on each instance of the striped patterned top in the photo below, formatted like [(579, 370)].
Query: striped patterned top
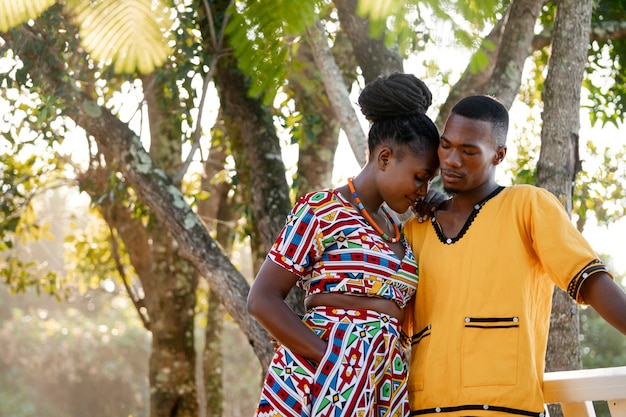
[(330, 246)]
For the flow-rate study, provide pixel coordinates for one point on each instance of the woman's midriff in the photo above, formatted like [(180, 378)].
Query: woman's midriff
[(347, 301)]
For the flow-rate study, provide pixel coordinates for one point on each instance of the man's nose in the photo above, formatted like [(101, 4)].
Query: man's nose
[(452, 158)]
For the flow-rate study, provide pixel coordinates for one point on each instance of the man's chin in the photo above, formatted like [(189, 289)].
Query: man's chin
[(451, 191)]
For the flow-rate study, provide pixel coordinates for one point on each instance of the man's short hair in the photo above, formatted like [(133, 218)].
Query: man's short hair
[(488, 109)]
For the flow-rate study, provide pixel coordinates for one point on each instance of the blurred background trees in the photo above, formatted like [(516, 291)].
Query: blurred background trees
[(151, 150)]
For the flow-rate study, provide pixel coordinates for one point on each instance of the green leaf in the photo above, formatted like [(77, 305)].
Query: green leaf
[(17, 12), (130, 33)]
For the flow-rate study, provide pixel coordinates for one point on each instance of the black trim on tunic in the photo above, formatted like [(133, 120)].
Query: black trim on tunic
[(468, 222), (475, 407)]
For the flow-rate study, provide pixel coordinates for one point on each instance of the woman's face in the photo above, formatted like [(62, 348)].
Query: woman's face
[(406, 178)]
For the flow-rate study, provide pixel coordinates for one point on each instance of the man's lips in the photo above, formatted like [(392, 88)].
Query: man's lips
[(450, 176)]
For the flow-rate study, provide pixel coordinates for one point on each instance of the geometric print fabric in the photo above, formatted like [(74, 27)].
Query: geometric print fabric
[(363, 372), (331, 248)]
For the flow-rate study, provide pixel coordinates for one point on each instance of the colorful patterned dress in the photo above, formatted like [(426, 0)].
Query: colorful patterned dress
[(331, 248)]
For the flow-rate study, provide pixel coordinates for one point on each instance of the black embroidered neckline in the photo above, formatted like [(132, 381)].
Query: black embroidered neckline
[(468, 222)]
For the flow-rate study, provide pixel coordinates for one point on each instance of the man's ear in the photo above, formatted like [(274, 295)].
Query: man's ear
[(500, 154), (383, 157)]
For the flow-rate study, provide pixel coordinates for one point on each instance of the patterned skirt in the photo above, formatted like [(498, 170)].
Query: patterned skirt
[(363, 372)]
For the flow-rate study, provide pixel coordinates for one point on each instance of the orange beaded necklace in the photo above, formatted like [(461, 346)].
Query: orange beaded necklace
[(371, 221)]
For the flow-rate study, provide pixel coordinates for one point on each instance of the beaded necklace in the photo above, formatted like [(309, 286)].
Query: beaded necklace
[(371, 221)]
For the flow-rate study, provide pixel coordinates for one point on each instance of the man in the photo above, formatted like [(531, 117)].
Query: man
[(488, 262)]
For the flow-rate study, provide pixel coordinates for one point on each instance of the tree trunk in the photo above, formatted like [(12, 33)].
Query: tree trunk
[(211, 211), (558, 159), (316, 154), (514, 50), (319, 130), (171, 301), (250, 123), (171, 287), (212, 358), (337, 91), (257, 150), (155, 189), (373, 56), (166, 279)]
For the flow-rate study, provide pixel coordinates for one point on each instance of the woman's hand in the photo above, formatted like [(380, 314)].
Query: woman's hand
[(424, 207), (275, 344)]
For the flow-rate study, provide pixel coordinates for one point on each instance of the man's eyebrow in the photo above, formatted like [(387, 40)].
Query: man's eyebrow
[(464, 145)]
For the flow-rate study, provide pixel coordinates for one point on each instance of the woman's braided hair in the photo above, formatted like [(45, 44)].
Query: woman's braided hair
[(396, 107)]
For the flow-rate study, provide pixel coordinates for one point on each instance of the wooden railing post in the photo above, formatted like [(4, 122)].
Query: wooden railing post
[(575, 390), (617, 408), (583, 409)]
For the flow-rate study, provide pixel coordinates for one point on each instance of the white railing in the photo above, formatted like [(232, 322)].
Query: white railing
[(575, 390)]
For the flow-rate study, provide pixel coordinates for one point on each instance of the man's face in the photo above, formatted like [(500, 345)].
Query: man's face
[(468, 154)]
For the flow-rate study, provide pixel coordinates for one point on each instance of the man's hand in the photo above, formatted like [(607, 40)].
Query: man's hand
[(425, 207)]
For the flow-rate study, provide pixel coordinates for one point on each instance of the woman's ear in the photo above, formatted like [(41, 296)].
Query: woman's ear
[(383, 157)]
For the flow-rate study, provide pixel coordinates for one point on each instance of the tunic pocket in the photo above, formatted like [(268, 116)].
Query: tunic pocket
[(419, 351), (490, 351)]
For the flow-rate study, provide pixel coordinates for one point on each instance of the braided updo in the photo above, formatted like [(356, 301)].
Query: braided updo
[(396, 106)]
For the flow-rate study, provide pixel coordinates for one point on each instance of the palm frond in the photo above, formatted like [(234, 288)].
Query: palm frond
[(132, 34), (14, 13)]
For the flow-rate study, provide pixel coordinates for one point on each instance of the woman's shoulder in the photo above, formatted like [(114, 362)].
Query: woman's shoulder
[(320, 198)]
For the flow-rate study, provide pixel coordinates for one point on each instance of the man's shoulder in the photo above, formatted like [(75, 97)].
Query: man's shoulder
[(412, 228), (521, 189), (413, 223), (527, 191), (525, 198)]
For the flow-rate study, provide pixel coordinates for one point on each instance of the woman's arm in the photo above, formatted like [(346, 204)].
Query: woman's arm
[(266, 303)]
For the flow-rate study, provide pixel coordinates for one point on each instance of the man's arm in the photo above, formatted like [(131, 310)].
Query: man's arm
[(607, 298)]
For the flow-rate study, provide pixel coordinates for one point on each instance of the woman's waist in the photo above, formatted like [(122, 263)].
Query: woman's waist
[(361, 305), (395, 290)]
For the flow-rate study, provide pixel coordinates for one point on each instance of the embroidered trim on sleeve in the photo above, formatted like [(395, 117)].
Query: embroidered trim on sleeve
[(573, 289)]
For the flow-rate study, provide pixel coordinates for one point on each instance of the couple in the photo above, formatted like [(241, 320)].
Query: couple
[(488, 261)]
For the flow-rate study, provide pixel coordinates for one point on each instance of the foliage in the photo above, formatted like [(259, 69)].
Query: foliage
[(601, 189), (403, 23), (602, 345), (466, 18), (17, 12), (89, 257), (599, 186), (606, 80), (27, 169), (523, 169), (264, 40), (136, 30)]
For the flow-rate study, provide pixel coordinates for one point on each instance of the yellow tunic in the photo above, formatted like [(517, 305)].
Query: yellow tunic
[(482, 308)]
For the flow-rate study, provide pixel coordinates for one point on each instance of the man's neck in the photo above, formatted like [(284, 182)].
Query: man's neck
[(466, 200)]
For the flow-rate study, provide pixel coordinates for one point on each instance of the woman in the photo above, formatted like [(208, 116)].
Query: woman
[(347, 251)]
